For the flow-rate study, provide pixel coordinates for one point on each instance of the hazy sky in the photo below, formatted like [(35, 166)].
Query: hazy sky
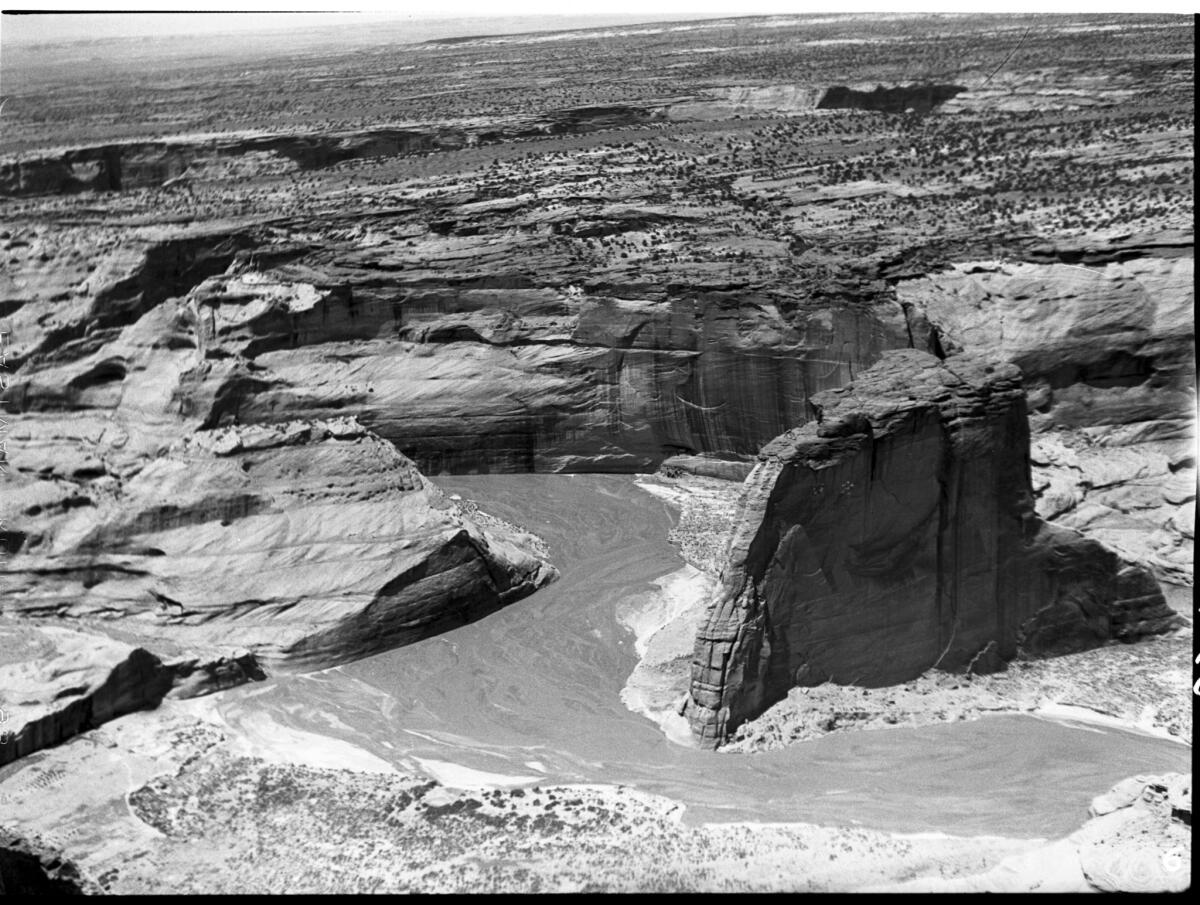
[(259, 16)]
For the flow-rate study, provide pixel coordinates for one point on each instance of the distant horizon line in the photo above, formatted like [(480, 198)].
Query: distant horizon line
[(304, 20), (297, 20)]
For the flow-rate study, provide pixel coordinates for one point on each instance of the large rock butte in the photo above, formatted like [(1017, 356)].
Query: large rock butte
[(897, 533)]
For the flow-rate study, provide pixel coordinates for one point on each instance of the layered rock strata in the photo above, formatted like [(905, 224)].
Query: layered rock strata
[(1109, 350), (1108, 358), (308, 543), (895, 534), (123, 166), (483, 377), (138, 502)]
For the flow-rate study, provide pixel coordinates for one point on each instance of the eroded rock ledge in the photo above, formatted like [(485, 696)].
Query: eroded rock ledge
[(121, 166), (895, 534), (183, 559)]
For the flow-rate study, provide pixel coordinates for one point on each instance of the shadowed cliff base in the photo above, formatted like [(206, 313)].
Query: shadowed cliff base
[(30, 867), (897, 99)]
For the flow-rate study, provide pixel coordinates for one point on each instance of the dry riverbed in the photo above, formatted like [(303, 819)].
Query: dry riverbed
[(166, 801)]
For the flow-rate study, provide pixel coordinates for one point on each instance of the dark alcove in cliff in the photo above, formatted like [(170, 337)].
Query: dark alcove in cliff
[(898, 99)]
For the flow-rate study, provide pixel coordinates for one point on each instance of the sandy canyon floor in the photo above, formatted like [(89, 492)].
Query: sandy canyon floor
[(376, 412)]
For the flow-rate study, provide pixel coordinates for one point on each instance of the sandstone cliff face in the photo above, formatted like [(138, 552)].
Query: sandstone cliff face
[(241, 328), (1109, 349), (137, 506), (1108, 357), (896, 534)]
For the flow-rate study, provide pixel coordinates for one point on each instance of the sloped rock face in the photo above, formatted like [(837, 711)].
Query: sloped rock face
[(74, 682), (138, 504), (309, 544), (896, 534), (57, 682)]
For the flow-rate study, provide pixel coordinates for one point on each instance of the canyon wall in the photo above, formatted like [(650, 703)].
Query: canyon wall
[(477, 377), (185, 550), (895, 534), (1108, 356), (125, 166)]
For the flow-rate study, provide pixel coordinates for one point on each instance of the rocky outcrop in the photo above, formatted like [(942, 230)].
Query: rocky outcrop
[(76, 682), (896, 534), (194, 676), (30, 867), (1137, 840), (1137, 498), (308, 544), (57, 682), (1139, 836), (88, 294)]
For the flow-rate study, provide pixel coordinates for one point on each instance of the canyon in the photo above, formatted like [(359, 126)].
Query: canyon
[(371, 404)]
